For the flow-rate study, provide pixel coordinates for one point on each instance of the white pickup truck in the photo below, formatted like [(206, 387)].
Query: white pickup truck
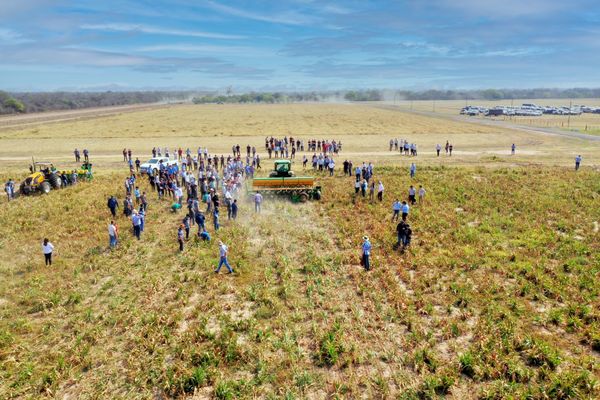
[(153, 164)]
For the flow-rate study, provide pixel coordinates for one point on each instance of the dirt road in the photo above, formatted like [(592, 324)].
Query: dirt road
[(24, 120)]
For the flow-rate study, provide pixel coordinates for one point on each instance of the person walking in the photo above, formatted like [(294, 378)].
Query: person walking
[(223, 253), (577, 162), (412, 194), (180, 237), (200, 219), (404, 233), (47, 248), (113, 235), (512, 149), (438, 147), (234, 209), (258, 199), (136, 221), (112, 205), (405, 209), (216, 219), (77, 155), (422, 192), (380, 189), (9, 188), (413, 170), (86, 155), (396, 207), (186, 226), (366, 253)]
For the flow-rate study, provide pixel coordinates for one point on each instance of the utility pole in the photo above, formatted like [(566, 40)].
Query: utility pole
[(569, 117)]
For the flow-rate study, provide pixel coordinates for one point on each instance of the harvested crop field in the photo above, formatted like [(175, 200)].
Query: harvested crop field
[(497, 296)]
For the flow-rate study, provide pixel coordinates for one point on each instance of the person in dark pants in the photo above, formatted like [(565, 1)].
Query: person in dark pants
[(404, 233), (136, 221), (577, 162), (47, 248), (180, 236), (186, 226), (200, 219), (366, 253), (234, 209), (113, 204)]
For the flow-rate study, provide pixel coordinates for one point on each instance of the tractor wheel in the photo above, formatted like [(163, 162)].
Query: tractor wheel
[(317, 195), (303, 197), (45, 187), (55, 181), (25, 189), (273, 174)]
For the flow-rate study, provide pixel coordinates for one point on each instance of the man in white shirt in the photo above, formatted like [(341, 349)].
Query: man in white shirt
[(113, 235), (380, 191), (421, 193), (223, 252), (438, 148)]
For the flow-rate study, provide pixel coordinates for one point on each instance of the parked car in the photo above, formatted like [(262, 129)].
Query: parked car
[(153, 164)]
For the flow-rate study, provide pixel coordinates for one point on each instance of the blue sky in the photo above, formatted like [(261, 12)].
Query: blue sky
[(298, 44)]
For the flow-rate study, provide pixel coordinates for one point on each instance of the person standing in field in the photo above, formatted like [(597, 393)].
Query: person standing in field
[(180, 237), (577, 162), (396, 207), (186, 226), (77, 155), (413, 170), (136, 222), (47, 248), (404, 233), (86, 155), (450, 147), (513, 148), (112, 205), (412, 194), (9, 188), (234, 209), (366, 253), (405, 210), (113, 235), (372, 191), (258, 199), (223, 253), (380, 189), (421, 194), (438, 147), (447, 147)]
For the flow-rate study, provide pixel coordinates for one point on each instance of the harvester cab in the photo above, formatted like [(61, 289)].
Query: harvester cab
[(282, 169)]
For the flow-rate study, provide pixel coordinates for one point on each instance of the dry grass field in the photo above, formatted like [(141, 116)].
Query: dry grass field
[(585, 123), (497, 297)]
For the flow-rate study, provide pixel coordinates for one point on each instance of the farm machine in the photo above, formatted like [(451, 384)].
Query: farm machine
[(281, 181), (42, 179)]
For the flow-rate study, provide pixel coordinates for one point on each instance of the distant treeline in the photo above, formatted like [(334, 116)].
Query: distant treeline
[(498, 94), (11, 103), (50, 101), (260, 97)]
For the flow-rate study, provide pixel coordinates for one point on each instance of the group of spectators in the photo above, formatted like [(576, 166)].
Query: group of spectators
[(403, 146)]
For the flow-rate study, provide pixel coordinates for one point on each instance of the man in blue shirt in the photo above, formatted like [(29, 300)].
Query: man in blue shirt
[(405, 209), (200, 221), (136, 220), (413, 170), (396, 206), (366, 253), (577, 162)]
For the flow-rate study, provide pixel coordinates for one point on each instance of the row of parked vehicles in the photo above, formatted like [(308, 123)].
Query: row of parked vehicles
[(527, 109)]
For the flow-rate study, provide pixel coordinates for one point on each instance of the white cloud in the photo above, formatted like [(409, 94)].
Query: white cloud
[(288, 18), (211, 49), (507, 8), (116, 27), (8, 36)]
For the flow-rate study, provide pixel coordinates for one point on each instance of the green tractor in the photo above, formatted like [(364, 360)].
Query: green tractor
[(85, 172), (42, 179)]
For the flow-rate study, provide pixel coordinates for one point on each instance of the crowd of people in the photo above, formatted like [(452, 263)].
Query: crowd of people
[(200, 181)]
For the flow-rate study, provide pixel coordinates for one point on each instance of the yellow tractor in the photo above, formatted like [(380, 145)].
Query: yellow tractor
[(43, 178)]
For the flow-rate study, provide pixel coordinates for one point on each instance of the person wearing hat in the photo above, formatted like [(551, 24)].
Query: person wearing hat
[(180, 236), (223, 251), (366, 253)]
